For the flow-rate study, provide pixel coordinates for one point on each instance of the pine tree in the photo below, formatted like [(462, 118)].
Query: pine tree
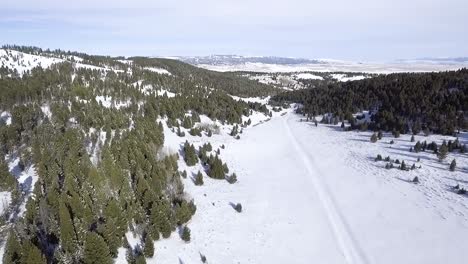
[(412, 138), (12, 249), (373, 138), (443, 151), (96, 250), (7, 180), (149, 246), (32, 255), (453, 165), (232, 179), (199, 179), (379, 135), (217, 170), (185, 234), (190, 155), (67, 232), (417, 147)]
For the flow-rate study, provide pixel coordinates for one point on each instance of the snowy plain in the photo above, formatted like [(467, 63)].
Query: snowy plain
[(338, 66), (316, 195)]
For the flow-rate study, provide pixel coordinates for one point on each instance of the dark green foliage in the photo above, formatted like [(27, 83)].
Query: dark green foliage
[(217, 169), (453, 165), (397, 99), (198, 179), (412, 138), (185, 234), (13, 249), (190, 154), (96, 250), (195, 132), (86, 205), (373, 138), (149, 246), (415, 179), (442, 153), (32, 255), (7, 180)]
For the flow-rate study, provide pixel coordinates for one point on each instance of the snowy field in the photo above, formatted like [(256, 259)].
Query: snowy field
[(315, 195), (339, 66)]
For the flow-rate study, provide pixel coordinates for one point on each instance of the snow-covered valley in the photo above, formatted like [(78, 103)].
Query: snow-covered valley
[(316, 195)]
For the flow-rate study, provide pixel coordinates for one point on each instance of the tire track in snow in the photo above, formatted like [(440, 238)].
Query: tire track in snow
[(351, 250)]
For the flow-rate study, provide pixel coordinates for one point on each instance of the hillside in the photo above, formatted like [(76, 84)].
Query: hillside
[(83, 165)]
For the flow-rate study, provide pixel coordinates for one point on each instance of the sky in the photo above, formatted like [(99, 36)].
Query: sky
[(363, 30)]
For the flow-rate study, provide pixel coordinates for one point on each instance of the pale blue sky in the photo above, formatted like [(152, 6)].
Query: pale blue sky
[(355, 29)]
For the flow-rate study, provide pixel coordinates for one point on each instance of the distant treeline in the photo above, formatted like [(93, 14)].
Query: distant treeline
[(403, 102)]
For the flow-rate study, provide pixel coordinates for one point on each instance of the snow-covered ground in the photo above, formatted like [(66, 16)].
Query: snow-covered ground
[(158, 70), (339, 66), (315, 195)]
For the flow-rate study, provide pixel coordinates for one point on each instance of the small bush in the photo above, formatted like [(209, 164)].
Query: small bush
[(378, 158), (232, 179)]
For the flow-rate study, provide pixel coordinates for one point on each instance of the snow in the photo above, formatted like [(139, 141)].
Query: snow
[(6, 117), (5, 199), (261, 100), (108, 102), (157, 70), (346, 78), (169, 94), (308, 76), (326, 201), (46, 111), (121, 256), (338, 66), (24, 62)]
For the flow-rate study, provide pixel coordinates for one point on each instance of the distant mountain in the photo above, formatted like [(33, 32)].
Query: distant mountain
[(225, 63), (218, 60)]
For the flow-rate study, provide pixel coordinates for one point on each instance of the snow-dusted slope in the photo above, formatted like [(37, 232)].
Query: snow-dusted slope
[(23, 62), (315, 195)]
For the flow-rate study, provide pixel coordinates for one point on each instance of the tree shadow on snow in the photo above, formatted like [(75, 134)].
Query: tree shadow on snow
[(406, 180)]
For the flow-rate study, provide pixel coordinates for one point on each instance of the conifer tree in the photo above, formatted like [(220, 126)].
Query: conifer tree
[(96, 250), (13, 249), (199, 179), (32, 255), (190, 155), (379, 134), (453, 165), (67, 233), (185, 234), (149, 246), (443, 151)]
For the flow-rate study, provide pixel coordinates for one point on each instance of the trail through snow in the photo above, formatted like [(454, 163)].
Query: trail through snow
[(350, 248), (315, 195)]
